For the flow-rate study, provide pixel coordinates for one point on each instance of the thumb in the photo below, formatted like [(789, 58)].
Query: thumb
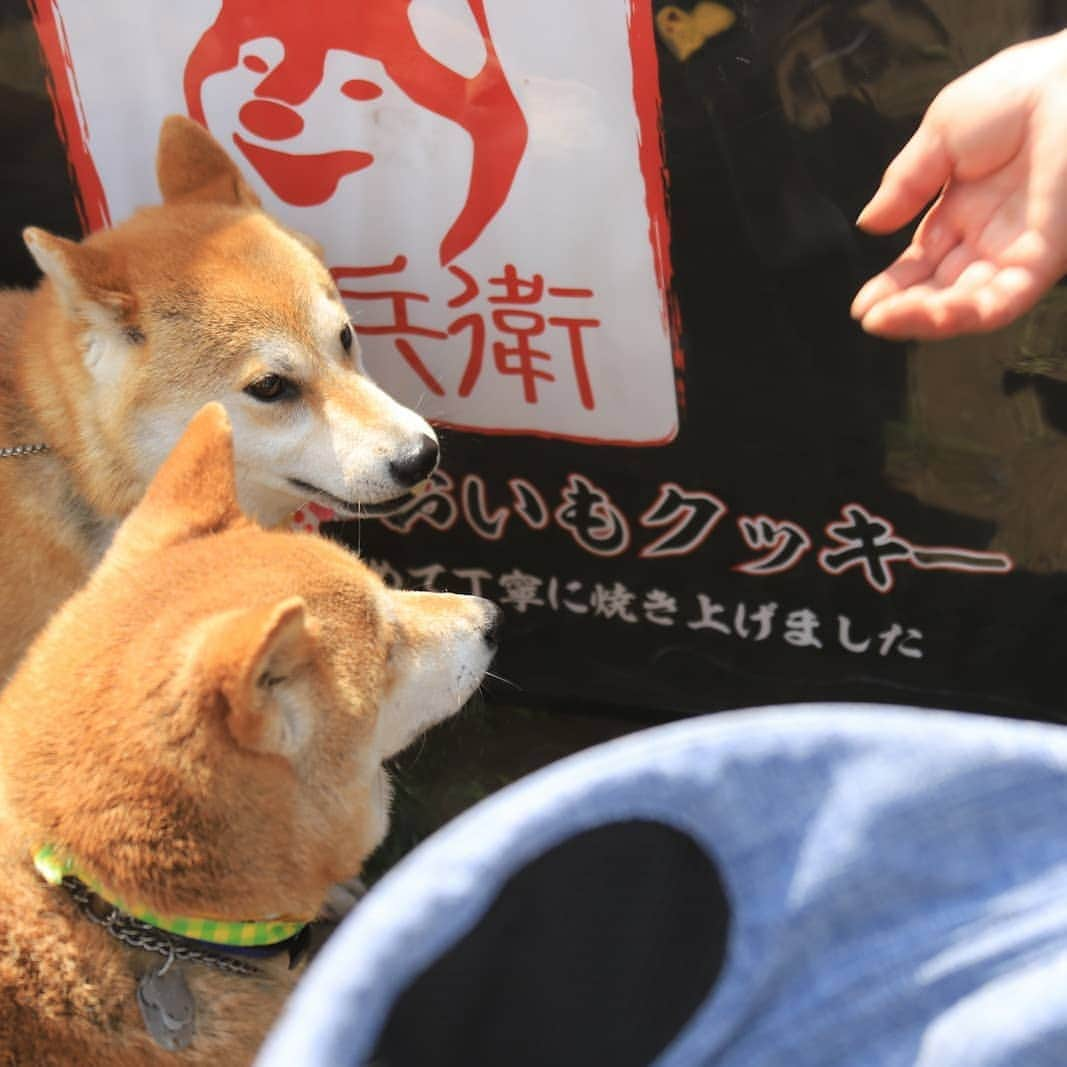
[(910, 182)]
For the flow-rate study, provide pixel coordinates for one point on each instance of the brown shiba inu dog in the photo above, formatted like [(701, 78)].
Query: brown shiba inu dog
[(199, 732), (133, 330)]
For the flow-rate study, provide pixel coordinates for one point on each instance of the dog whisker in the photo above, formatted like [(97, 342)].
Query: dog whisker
[(501, 678), (414, 754)]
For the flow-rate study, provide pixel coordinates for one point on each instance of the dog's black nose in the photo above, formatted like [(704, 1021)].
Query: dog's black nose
[(493, 627), (418, 464)]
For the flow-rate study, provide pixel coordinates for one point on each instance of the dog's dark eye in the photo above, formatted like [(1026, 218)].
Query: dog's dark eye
[(346, 337), (272, 387)]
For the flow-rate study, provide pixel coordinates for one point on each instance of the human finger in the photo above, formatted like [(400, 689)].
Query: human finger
[(984, 298), (914, 265), (917, 174)]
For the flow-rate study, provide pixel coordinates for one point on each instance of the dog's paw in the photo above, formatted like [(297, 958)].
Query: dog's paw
[(341, 899)]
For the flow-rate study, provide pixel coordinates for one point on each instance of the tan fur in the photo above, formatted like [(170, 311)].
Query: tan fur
[(136, 328), (203, 726)]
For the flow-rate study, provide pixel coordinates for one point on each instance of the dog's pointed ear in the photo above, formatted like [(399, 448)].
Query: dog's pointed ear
[(258, 660), (192, 166), (90, 283), (194, 492)]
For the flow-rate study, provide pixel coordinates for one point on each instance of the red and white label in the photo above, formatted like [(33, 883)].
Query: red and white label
[(485, 176)]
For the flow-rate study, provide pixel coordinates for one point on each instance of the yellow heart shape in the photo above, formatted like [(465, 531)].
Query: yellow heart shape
[(683, 32)]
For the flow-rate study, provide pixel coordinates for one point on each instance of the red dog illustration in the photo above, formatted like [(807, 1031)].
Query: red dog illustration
[(483, 105)]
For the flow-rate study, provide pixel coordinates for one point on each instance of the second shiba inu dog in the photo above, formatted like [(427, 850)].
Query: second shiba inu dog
[(133, 330), (191, 754)]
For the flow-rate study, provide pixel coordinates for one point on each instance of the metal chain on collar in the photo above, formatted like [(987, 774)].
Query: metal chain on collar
[(136, 934), (22, 450)]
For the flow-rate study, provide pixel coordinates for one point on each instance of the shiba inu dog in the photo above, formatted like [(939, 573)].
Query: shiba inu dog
[(194, 744), (133, 330)]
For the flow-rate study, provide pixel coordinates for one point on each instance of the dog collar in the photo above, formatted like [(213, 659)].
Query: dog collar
[(54, 867), (12, 451)]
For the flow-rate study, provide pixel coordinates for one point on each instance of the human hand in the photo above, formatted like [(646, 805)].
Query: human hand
[(993, 144)]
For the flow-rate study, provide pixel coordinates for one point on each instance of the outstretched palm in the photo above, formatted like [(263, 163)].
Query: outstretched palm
[(993, 149)]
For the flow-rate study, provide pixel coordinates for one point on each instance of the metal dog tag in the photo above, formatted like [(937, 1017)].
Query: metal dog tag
[(167, 1007)]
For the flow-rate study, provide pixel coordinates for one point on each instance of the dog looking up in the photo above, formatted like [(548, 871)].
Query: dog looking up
[(133, 330), (197, 735)]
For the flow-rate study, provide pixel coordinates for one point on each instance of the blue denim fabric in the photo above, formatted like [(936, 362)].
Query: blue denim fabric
[(898, 881)]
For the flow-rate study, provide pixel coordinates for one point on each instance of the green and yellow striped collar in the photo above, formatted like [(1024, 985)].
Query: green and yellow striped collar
[(54, 866)]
